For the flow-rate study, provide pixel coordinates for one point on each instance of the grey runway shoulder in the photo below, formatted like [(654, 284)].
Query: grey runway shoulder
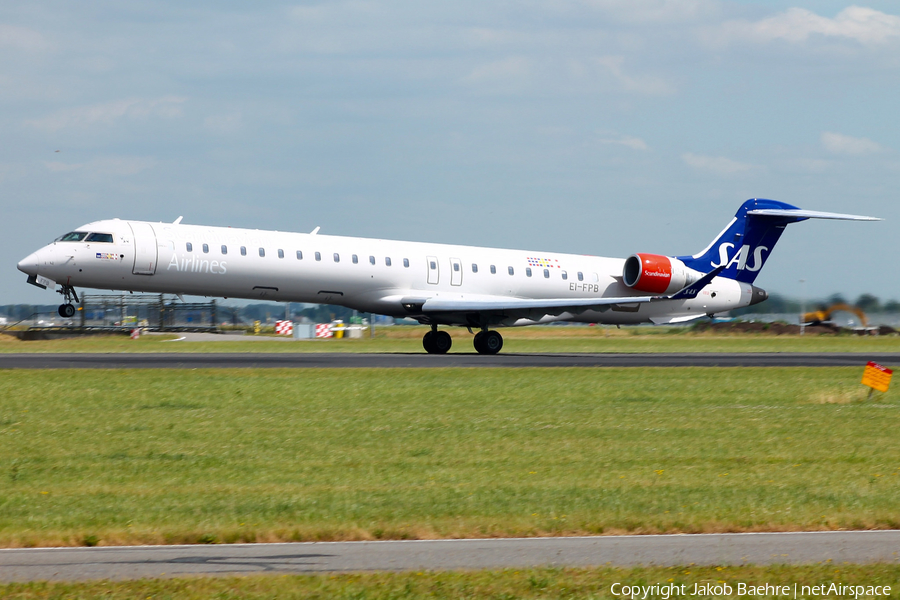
[(185, 360), (312, 557)]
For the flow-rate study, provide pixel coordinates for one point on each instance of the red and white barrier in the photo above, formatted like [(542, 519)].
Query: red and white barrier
[(323, 330), (284, 327)]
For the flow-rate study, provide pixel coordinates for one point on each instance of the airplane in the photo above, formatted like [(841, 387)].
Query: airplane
[(435, 284)]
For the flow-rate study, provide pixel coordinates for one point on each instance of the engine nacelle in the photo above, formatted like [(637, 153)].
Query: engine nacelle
[(657, 274)]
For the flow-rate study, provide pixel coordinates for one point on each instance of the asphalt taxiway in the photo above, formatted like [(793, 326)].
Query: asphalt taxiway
[(133, 562), (186, 360)]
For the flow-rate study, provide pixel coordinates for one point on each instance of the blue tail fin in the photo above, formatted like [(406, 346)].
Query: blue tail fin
[(746, 243)]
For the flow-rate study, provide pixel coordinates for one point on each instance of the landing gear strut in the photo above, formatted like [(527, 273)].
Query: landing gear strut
[(437, 342), (67, 310), (488, 342)]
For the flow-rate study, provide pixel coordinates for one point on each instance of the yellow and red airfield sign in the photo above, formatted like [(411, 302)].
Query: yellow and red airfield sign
[(877, 377)]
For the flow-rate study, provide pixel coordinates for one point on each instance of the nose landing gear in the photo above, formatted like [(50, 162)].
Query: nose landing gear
[(67, 310), (488, 342), (437, 342)]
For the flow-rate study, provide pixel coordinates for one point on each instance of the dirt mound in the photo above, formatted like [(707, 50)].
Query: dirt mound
[(770, 328)]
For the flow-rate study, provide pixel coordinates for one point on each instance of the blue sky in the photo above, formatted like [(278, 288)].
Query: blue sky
[(596, 126)]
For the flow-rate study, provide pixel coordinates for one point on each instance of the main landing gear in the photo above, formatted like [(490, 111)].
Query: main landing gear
[(439, 342), (488, 342), (67, 310)]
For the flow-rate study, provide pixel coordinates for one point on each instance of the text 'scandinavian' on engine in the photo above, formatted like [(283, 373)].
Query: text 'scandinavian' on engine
[(436, 284)]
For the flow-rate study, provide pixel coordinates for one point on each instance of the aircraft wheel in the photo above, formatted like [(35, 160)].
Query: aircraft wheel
[(66, 311), (478, 342), (437, 342), (491, 343), (441, 342), (428, 342)]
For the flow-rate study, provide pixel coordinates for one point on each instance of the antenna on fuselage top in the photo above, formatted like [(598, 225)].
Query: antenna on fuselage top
[(177, 221), (315, 231)]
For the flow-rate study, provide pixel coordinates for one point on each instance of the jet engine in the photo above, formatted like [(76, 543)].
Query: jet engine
[(657, 274)]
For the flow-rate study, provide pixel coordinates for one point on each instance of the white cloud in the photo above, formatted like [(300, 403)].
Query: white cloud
[(651, 86), (863, 25), (844, 144), (716, 164), (635, 143), (108, 113), (22, 38)]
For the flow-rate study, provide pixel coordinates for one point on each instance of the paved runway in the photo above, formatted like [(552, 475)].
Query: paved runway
[(710, 549), (185, 360)]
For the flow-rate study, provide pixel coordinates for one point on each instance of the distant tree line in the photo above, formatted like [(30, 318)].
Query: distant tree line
[(782, 304)]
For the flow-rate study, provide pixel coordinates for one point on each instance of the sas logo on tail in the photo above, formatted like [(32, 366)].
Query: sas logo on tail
[(740, 257)]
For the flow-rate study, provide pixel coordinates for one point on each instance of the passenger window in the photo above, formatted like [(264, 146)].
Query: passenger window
[(387, 261), (565, 275), (406, 262), (299, 254), (355, 259), (371, 260), (511, 270), (205, 248), (546, 273), (474, 268), (527, 271), (337, 257), (243, 250), (580, 276), (493, 270), (456, 267), (189, 247), (262, 251), (280, 253), (224, 249), (318, 256), (432, 265), (106, 238)]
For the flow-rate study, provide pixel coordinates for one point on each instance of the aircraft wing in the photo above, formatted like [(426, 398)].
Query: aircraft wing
[(547, 306), (535, 307)]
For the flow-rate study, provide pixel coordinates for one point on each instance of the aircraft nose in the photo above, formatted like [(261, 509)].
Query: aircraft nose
[(31, 263)]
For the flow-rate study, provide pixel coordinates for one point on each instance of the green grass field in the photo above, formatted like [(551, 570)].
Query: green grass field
[(525, 340), (166, 456), (488, 585)]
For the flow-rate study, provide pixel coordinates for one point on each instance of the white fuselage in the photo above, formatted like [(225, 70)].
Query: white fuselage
[(370, 275)]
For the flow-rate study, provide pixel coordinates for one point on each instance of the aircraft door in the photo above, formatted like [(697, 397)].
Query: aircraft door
[(455, 271), (433, 272), (145, 250)]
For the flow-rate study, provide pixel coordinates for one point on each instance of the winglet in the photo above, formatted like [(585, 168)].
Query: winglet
[(177, 221), (692, 290), (315, 231)]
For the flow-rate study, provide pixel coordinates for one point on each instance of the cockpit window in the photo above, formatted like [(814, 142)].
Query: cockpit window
[(75, 236), (99, 237)]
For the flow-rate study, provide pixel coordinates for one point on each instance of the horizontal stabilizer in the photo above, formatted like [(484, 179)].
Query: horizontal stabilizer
[(798, 213)]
